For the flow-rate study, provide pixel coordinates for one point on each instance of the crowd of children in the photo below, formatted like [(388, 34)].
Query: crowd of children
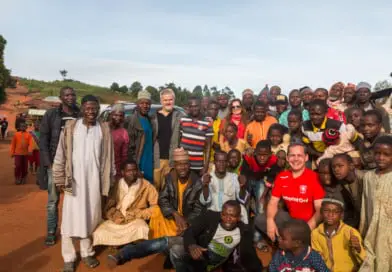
[(308, 176)]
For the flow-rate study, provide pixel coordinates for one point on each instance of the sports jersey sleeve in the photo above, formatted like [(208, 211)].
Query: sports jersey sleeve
[(318, 191), (277, 187)]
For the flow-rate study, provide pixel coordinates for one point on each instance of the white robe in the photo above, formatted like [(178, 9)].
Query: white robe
[(82, 210), (112, 234)]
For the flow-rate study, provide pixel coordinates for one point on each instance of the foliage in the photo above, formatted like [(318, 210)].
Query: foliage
[(115, 87), (5, 78), (52, 88), (135, 88), (123, 89), (154, 94), (63, 73)]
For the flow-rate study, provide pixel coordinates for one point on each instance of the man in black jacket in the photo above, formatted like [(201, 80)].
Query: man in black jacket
[(51, 126), (211, 240)]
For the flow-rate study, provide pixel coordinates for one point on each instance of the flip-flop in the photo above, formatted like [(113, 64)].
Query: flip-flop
[(69, 267), (262, 246), (90, 261), (50, 240)]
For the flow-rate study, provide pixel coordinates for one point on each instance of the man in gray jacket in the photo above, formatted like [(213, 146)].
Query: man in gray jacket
[(168, 136)]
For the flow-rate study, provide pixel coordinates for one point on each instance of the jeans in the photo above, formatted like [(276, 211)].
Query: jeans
[(256, 189), (180, 258), (143, 249), (53, 204)]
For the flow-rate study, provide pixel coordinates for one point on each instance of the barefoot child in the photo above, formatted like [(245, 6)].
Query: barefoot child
[(295, 253), (376, 211), (339, 244)]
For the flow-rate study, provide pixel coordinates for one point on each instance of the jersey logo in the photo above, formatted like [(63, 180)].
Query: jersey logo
[(228, 240), (303, 189)]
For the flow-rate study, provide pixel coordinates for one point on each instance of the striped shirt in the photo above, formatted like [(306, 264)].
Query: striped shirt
[(193, 139)]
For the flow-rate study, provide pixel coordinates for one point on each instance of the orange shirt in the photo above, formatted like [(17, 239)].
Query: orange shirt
[(21, 144), (259, 130)]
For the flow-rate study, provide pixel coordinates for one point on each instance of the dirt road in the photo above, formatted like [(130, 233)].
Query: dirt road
[(23, 229)]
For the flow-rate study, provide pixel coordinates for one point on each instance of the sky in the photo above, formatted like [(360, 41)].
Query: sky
[(240, 44)]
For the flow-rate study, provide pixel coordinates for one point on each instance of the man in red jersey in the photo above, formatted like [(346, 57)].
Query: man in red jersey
[(301, 192)]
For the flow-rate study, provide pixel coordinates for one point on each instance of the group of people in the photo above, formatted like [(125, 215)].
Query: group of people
[(306, 176)]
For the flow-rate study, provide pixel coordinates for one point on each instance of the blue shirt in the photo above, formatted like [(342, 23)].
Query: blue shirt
[(146, 163), (283, 117)]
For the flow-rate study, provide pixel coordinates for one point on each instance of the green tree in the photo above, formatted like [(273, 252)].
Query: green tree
[(115, 87), (123, 89), (135, 88), (197, 91), (63, 73), (154, 94), (5, 74), (206, 91)]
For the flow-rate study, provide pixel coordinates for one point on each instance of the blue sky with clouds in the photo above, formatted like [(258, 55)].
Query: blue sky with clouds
[(241, 44)]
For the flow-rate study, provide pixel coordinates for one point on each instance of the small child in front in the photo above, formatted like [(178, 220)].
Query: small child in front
[(339, 244), (295, 253)]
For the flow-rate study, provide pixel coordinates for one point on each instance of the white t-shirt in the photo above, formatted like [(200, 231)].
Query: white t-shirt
[(222, 245)]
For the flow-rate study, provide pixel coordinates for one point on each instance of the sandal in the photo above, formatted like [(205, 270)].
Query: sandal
[(90, 261), (50, 239), (112, 261), (262, 246), (69, 267)]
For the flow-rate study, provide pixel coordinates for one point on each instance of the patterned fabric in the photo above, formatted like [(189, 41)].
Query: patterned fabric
[(194, 134), (314, 135), (308, 261), (376, 221)]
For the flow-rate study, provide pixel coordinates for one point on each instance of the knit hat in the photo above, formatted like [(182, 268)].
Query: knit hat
[(118, 108), (179, 154), (362, 85), (144, 94), (334, 199), (281, 99), (331, 136), (247, 91)]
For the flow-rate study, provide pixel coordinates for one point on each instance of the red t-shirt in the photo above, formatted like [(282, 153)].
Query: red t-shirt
[(299, 193)]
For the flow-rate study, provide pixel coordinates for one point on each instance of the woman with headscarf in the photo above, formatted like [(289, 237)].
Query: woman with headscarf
[(237, 115)]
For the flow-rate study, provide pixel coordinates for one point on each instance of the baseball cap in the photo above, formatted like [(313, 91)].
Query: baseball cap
[(281, 99)]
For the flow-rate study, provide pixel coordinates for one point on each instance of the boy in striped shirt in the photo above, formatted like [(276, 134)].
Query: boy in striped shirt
[(196, 137)]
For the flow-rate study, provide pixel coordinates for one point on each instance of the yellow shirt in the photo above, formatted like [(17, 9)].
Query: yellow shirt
[(215, 139), (336, 251), (241, 146), (181, 190)]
